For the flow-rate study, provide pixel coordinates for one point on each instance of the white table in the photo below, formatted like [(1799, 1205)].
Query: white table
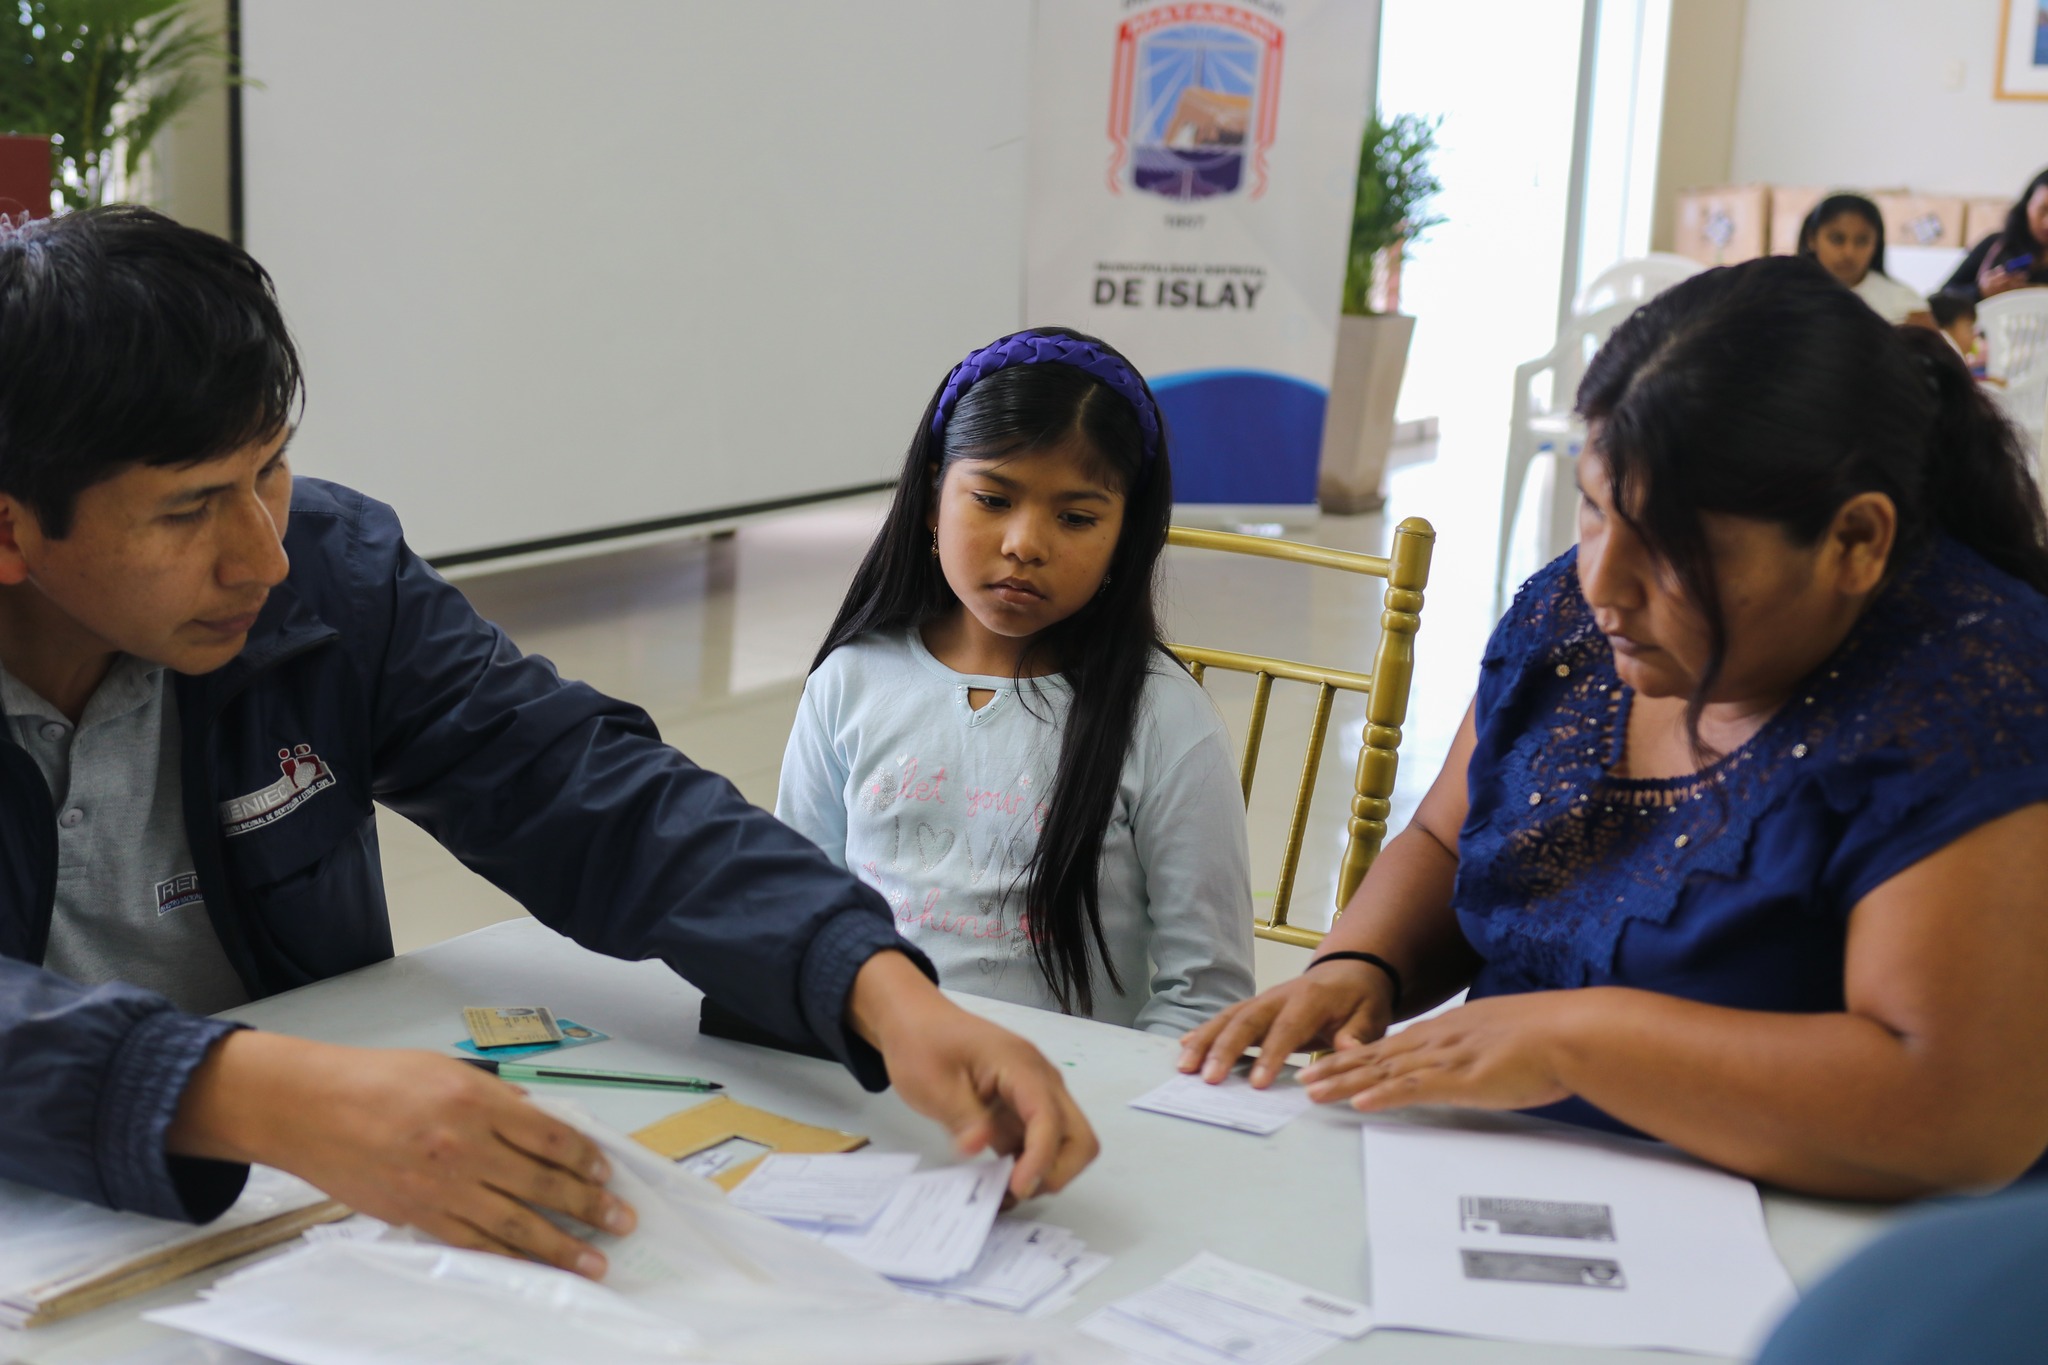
[(1162, 1190)]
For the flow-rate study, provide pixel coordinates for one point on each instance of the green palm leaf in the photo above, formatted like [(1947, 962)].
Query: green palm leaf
[(102, 78)]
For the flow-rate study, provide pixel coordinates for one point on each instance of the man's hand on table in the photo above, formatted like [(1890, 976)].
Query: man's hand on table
[(987, 1086), (408, 1137)]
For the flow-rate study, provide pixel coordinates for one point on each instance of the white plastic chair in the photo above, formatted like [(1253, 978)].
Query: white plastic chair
[(2015, 327), (1542, 419), (1635, 281)]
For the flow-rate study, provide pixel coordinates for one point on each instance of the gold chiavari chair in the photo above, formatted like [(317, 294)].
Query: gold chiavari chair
[(1385, 689)]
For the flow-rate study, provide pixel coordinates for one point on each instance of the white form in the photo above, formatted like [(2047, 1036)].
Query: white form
[(934, 1228), (1566, 1237), (1232, 1103), (1240, 1284), (1173, 1324), (844, 1189)]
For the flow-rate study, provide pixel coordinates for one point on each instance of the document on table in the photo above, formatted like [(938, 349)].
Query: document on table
[(934, 1227), (1232, 1103), (1215, 1312), (698, 1279), (1566, 1238), (842, 1189)]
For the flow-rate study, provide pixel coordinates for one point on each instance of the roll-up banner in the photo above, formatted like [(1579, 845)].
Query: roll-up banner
[(1193, 168)]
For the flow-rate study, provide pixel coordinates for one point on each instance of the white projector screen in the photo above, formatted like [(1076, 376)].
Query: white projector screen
[(565, 268)]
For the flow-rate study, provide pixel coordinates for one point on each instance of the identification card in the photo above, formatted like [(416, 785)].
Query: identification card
[(511, 1025)]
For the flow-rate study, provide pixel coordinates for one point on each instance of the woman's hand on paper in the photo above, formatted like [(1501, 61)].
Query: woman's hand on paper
[(990, 1088), (1497, 1053), (1337, 1004), (408, 1137)]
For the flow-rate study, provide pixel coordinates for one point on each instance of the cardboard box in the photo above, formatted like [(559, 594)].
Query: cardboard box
[(1983, 218), (1920, 220), (1723, 226), (24, 175), (1789, 206)]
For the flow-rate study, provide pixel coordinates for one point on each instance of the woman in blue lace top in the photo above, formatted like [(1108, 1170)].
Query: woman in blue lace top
[(1743, 843)]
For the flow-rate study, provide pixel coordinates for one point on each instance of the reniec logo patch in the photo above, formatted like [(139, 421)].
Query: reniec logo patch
[(305, 777), (177, 892)]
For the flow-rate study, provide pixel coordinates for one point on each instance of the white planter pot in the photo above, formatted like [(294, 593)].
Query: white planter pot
[(1358, 428)]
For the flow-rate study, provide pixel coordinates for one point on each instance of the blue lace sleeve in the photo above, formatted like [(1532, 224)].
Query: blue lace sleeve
[(1546, 612), (1956, 736)]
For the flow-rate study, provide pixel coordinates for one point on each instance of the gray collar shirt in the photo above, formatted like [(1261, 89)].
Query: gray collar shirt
[(128, 903)]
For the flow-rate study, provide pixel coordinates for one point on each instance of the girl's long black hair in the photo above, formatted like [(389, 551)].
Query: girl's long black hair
[(2018, 237), (1105, 650), (1833, 207), (1766, 390)]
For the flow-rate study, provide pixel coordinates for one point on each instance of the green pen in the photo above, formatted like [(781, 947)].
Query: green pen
[(522, 1071)]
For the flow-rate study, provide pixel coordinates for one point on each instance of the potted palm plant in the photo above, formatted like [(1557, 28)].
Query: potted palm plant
[(100, 79), (1395, 187)]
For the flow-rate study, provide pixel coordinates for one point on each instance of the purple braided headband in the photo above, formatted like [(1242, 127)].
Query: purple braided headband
[(1039, 348)]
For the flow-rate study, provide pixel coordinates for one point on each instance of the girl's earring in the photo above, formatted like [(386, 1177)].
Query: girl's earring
[(1103, 591), (935, 542)]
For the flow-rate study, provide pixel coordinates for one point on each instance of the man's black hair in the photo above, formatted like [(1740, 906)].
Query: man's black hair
[(127, 339)]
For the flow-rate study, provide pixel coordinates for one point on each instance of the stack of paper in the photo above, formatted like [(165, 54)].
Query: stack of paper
[(61, 1256), (1024, 1267), (1215, 1312), (698, 1280), (934, 1232), (1565, 1237)]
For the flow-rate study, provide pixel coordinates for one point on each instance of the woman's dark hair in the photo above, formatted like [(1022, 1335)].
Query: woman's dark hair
[(1833, 207), (1766, 390), (2017, 239), (127, 339), (1105, 650)]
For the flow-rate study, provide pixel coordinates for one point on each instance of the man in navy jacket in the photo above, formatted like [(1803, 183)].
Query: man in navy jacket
[(210, 674)]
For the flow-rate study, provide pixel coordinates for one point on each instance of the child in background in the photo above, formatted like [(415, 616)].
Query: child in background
[(994, 735), (1955, 317), (1845, 233)]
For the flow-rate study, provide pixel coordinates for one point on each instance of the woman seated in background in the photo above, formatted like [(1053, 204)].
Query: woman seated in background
[(1845, 233), (2013, 257), (994, 736), (1742, 844)]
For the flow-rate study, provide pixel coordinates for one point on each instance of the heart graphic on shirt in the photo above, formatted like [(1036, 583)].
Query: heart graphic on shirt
[(932, 846), (990, 966)]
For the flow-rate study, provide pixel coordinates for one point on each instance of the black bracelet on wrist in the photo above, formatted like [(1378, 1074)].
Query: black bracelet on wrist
[(1393, 972)]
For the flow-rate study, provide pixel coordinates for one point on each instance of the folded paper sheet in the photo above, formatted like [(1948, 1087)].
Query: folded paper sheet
[(698, 1280), (1232, 1103), (1568, 1238)]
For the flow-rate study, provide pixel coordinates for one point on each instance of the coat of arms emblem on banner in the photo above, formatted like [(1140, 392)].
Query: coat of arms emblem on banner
[(1195, 94)]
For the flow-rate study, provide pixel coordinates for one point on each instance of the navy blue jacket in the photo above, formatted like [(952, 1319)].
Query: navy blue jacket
[(366, 679)]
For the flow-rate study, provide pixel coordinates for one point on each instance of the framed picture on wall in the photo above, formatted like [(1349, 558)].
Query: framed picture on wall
[(2023, 50)]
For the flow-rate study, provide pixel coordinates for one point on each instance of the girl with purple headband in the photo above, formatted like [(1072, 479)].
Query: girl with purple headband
[(995, 736)]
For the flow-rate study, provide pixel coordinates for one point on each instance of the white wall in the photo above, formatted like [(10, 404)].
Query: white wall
[(1702, 74), (190, 177), (1881, 94), (559, 269)]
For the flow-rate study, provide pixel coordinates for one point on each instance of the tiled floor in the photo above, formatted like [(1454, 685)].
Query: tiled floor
[(714, 637)]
